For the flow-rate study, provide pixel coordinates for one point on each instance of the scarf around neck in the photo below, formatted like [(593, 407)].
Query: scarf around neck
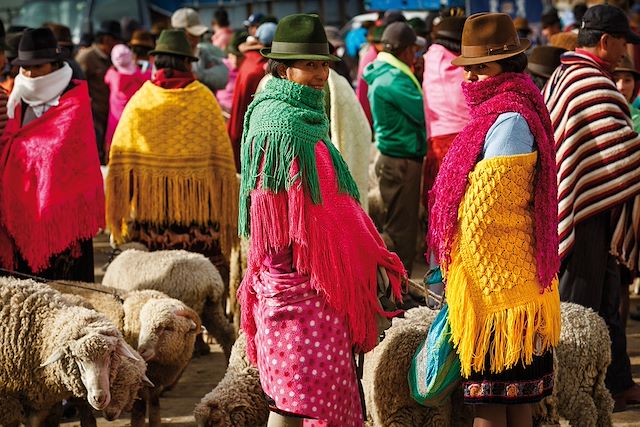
[(39, 91), (172, 79), (507, 92), (283, 124)]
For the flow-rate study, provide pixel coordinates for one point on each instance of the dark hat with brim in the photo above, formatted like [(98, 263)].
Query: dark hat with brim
[(609, 19), (37, 46), (173, 42), (450, 27), (300, 36), (544, 60), (489, 37), (626, 66), (238, 37), (110, 28)]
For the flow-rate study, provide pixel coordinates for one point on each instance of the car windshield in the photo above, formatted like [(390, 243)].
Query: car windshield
[(66, 12), (71, 13)]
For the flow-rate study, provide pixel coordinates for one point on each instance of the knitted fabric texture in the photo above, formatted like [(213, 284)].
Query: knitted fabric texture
[(507, 92), (334, 243), (283, 123), (495, 303), (51, 190), (171, 163)]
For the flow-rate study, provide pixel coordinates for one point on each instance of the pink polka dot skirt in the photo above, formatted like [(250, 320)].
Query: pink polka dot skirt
[(304, 353)]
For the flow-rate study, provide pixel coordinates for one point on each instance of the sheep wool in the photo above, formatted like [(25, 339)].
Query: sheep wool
[(496, 304), (199, 187)]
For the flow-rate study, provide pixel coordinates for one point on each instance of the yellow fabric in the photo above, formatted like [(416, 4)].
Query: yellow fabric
[(171, 163), (495, 300)]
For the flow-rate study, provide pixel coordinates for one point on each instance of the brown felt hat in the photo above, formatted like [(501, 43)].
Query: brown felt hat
[(627, 66), (544, 60), (489, 37)]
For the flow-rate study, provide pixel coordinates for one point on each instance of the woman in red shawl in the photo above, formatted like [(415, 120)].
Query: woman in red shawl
[(51, 191)]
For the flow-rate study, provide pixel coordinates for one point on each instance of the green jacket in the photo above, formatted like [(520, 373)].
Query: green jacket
[(398, 111)]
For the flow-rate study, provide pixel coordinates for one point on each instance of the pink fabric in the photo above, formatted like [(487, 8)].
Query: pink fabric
[(362, 88), (506, 92), (335, 243), (51, 190), (225, 96), (304, 351), (445, 109), (222, 37), (121, 89)]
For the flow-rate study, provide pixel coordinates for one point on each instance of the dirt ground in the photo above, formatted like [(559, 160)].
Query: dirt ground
[(204, 372)]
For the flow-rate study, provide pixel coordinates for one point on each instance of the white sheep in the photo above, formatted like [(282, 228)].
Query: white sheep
[(238, 399), (51, 350), (187, 276), (580, 361), (162, 329)]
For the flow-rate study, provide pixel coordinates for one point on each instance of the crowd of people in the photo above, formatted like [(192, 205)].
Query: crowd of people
[(513, 156)]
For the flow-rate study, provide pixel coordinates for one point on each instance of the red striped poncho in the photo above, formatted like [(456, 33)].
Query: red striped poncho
[(597, 150)]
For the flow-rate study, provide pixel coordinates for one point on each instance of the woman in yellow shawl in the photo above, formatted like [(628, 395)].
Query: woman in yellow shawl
[(171, 181)]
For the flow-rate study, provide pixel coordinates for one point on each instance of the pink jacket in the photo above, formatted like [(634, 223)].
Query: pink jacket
[(445, 109), (362, 88)]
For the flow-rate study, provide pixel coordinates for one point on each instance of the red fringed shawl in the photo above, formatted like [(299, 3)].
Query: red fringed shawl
[(334, 242), (51, 190), (507, 92)]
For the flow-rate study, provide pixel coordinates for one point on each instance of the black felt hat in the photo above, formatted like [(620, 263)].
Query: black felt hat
[(37, 46), (300, 36), (110, 28)]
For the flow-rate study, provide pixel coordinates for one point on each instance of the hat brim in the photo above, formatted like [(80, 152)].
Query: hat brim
[(461, 61), (636, 74), (266, 52), (172, 52), (35, 61), (540, 70), (632, 37), (197, 30)]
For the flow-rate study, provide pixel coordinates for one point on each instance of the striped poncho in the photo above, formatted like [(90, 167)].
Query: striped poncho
[(597, 150)]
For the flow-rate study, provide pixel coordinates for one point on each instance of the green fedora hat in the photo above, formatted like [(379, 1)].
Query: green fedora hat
[(300, 36), (173, 42)]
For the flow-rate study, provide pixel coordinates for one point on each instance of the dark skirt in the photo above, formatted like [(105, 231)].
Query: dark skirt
[(518, 385), (75, 263)]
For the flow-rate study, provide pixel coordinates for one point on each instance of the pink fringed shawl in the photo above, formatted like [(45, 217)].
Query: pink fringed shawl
[(334, 242), (507, 92), (51, 190)]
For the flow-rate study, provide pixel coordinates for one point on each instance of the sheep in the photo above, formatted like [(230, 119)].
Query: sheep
[(162, 329), (238, 399), (580, 362), (187, 276), (51, 350)]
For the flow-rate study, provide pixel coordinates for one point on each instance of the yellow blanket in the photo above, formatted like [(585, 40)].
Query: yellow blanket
[(171, 163), (495, 300)]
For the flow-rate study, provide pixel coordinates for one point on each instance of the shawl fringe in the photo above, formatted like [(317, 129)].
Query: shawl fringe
[(510, 336), (282, 124)]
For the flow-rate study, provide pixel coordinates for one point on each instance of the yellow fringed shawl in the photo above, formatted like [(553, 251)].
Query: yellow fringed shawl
[(171, 163), (495, 300)]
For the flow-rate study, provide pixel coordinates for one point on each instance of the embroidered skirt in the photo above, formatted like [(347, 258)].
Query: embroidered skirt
[(518, 385), (304, 352)]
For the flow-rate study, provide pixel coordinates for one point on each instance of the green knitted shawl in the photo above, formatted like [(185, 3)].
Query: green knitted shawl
[(283, 123)]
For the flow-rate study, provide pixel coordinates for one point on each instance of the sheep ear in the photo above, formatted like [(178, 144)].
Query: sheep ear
[(146, 381), (189, 314), (125, 351), (55, 356)]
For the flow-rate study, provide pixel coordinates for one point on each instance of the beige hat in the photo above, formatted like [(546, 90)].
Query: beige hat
[(189, 20)]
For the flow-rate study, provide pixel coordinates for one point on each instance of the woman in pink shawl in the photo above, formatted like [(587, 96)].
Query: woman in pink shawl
[(124, 79), (309, 298)]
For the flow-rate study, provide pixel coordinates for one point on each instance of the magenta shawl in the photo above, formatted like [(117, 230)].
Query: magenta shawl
[(507, 92)]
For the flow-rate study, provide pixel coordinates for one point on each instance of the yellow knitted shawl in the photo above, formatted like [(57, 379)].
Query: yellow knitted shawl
[(495, 301), (171, 163)]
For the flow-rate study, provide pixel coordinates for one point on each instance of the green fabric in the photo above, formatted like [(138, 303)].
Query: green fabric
[(435, 368), (395, 62), (398, 111), (283, 123), (635, 117)]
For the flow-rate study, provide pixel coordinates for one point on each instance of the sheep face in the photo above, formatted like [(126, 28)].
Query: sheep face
[(129, 379), (168, 331)]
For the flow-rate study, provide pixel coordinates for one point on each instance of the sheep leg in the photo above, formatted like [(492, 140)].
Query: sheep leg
[(37, 418), (87, 419), (138, 412), (154, 409), (217, 324)]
